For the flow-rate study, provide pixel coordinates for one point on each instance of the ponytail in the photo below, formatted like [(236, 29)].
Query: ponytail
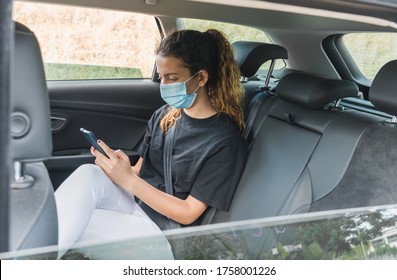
[(225, 92)]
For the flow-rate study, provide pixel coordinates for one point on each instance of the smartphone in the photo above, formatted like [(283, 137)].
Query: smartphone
[(92, 140)]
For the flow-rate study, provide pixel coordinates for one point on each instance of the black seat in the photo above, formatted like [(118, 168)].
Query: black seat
[(370, 178), (383, 89), (250, 56), (288, 130), (33, 221)]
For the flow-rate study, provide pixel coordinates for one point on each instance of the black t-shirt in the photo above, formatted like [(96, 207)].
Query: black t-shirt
[(208, 157)]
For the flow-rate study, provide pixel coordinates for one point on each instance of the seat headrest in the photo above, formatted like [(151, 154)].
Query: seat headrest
[(251, 55), (30, 111), (313, 92), (383, 91)]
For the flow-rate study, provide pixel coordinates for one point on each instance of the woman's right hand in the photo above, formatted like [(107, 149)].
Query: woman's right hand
[(117, 167)]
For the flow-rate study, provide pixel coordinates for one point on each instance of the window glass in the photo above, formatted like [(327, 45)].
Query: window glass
[(85, 43), (371, 51), (346, 234), (234, 33)]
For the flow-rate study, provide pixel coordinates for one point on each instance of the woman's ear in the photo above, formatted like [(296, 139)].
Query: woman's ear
[(203, 77)]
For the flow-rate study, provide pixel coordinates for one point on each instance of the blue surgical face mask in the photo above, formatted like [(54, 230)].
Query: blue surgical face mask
[(176, 95)]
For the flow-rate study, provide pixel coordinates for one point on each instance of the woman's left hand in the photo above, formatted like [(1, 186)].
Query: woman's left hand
[(117, 167)]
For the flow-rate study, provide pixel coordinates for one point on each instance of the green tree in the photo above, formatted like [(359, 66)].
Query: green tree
[(330, 236), (339, 238), (313, 252)]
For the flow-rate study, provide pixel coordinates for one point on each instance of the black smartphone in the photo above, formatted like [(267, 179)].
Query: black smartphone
[(92, 140)]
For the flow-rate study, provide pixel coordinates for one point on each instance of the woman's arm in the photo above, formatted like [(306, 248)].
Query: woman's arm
[(182, 211), (119, 170)]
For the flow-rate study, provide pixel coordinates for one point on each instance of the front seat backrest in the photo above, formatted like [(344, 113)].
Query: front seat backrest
[(33, 220)]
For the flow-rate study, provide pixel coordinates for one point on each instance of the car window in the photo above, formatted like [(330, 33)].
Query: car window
[(233, 32), (86, 43), (356, 234), (370, 51)]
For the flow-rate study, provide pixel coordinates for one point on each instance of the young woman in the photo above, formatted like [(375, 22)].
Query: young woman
[(200, 84)]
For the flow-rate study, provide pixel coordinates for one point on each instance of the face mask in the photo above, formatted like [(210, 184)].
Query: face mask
[(175, 94)]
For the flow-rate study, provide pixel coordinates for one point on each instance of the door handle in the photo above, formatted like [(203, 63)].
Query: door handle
[(58, 123)]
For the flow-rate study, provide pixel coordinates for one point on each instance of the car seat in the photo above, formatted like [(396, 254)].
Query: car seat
[(33, 215)]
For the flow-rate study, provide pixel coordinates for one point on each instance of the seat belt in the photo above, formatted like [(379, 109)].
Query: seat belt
[(168, 146), (167, 156), (169, 188)]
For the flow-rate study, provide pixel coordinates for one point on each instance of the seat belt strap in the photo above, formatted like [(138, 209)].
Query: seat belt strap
[(169, 188), (168, 147), (167, 156)]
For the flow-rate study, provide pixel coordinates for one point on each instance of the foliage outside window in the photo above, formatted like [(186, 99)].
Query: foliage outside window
[(85, 43), (371, 51)]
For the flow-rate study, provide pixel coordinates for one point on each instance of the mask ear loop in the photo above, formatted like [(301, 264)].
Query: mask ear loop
[(195, 91), (193, 76)]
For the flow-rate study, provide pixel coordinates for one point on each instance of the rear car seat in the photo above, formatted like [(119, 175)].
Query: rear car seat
[(286, 132), (367, 177), (370, 178), (310, 156), (302, 147)]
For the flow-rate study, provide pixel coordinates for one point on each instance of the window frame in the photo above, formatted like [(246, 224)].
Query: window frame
[(344, 63)]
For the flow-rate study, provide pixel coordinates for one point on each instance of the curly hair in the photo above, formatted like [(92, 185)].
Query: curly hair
[(212, 52)]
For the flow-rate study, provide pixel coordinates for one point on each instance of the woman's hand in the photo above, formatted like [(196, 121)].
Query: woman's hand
[(117, 167)]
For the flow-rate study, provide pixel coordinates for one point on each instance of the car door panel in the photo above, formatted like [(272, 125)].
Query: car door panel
[(115, 111)]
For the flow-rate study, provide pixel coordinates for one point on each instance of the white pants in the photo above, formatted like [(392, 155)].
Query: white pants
[(92, 209)]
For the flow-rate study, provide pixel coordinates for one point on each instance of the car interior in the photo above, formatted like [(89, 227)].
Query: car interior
[(313, 147)]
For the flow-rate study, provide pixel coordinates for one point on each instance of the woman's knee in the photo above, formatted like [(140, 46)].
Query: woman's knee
[(93, 174), (89, 170), (81, 175), (86, 176)]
